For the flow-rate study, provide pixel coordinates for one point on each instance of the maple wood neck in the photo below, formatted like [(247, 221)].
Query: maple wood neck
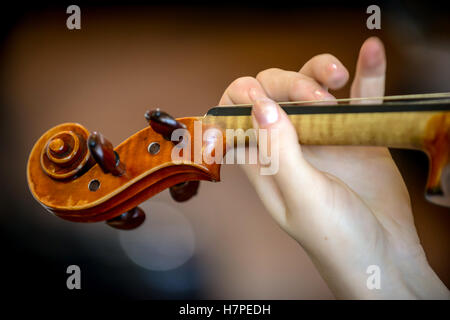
[(395, 125)]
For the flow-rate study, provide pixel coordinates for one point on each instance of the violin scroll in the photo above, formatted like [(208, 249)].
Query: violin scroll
[(81, 177)]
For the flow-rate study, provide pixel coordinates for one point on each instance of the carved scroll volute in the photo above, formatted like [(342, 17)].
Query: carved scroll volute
[(63, 186), (65, 153)]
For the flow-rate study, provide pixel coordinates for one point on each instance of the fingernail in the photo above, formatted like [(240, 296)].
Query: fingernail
[(256, 94), (333, 67), (333, 73), (265, 111), (337, 77)]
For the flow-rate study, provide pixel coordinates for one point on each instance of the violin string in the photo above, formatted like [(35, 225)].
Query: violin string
[(385, 98)]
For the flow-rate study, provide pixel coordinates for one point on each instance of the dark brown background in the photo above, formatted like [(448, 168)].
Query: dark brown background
[(180, 58)]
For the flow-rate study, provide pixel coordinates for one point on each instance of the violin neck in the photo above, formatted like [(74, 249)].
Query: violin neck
[(409, 130)]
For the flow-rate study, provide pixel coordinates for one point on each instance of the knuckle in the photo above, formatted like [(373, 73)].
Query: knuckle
[(325, 57), (243, 83), (267, 73), (301, 89), (319, 62), (238, 90)]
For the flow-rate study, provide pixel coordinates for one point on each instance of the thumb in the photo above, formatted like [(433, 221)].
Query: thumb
[(300, 184)]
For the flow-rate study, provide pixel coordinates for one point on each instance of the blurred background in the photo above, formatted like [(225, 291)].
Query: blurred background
[(180, 57)]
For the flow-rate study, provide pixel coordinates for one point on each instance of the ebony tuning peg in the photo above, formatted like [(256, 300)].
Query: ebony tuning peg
[(184, 191), (128, 220), (103, 153), (163, 123)]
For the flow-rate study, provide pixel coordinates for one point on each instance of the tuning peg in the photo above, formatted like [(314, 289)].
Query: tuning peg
[(103, 153), (163, 123), (184, 191), (128, 220)]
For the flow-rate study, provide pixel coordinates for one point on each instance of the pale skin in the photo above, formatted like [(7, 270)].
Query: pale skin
[(348, 207)]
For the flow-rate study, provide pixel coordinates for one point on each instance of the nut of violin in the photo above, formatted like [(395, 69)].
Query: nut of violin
[(184, 191), (163, 123), (128, 220), (65, 152), (103, 153)]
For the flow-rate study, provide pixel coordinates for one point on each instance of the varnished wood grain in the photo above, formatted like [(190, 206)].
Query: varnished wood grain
[(147, 174), (428, 131)]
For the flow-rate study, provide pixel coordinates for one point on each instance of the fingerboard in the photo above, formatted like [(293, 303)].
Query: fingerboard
[(393, 124)]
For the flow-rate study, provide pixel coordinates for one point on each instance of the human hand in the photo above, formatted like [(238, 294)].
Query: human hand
[(348, 207)]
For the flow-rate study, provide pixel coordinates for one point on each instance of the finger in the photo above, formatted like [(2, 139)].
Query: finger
[(282, 85), (327, 70), (370, 78), (238, 91), (370, 71), (300, 184)]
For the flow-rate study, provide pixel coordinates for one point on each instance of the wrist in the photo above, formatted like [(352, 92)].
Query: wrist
[(420, 279), (388, 274)]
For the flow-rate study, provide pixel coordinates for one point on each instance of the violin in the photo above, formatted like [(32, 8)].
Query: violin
[(79, 176)]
